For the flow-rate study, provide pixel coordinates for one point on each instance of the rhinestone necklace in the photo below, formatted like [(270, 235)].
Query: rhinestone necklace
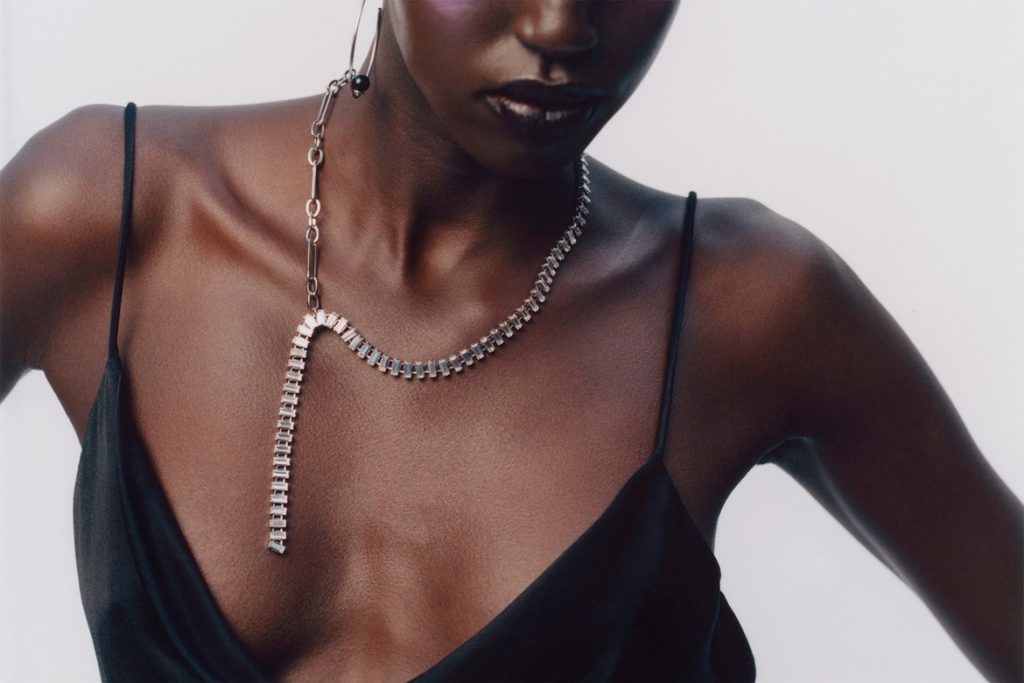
[(318, 318)]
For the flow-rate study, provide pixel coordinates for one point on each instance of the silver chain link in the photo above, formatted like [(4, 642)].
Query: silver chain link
[(315, 157)]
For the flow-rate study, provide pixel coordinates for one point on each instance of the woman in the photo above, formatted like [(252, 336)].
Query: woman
[(442, 185)]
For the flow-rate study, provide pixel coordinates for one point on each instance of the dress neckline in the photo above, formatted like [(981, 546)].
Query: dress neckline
[(143, 473)]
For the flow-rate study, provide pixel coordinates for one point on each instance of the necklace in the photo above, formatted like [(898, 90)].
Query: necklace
[(318, 318)]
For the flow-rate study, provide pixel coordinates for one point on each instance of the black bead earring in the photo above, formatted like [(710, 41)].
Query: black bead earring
[(360, 82)]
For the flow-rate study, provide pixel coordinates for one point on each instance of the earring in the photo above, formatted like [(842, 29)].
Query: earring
[(360, 83)]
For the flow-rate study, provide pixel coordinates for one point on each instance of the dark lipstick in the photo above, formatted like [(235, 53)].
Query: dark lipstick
[(543, 111)]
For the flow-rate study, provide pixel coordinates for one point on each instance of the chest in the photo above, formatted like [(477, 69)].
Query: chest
[(402, 492), (412, 502)]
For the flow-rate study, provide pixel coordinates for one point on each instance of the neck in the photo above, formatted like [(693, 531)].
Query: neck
[(407, 202)]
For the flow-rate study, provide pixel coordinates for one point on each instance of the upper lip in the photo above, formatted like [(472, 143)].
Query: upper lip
[(548, 96)]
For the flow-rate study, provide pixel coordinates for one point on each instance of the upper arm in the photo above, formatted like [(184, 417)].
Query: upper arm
[(60, 203), (888, 454)]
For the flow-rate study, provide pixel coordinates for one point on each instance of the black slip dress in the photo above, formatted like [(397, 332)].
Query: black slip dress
[(635, 597)]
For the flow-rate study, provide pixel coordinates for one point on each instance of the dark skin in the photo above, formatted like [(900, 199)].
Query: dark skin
[(426, 507)]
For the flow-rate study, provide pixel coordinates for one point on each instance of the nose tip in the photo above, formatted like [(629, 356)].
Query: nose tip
[(557, 29)]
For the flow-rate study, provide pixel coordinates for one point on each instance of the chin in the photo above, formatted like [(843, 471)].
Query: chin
[(530, 142), (521, 159)]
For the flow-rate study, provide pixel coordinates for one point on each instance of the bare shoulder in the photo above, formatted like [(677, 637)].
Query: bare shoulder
[(762, 246), (835, 345), (760, 272), (794, 309), (776, 277), (61, 200), (775, 311), (60, 197), (763, 289)]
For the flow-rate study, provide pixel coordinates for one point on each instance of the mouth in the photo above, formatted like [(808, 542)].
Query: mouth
[(540, 111)]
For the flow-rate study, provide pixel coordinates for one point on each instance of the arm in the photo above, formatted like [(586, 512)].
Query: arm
[(884, 450), (59, 203)]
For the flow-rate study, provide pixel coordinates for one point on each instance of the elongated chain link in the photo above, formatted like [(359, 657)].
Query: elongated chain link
[(315, 157)]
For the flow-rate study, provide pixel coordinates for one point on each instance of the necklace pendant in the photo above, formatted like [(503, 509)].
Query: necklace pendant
[(287, 416), (288, 409)]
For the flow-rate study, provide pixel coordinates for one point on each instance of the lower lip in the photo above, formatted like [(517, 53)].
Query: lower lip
[(536, 122)]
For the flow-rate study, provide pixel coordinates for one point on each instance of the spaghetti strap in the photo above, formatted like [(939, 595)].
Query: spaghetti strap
[(126, 220), (685, 258)]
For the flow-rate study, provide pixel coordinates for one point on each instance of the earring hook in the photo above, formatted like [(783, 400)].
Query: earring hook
[(361, 81)]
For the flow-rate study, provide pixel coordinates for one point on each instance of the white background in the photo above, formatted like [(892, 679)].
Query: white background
[(890, 129)]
